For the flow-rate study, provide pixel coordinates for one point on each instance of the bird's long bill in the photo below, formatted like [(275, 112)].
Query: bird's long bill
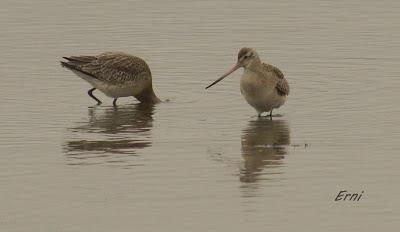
[(231, 70)]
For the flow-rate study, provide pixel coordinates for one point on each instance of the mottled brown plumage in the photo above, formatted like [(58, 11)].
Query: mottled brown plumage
[(116, 74), (282, 86)]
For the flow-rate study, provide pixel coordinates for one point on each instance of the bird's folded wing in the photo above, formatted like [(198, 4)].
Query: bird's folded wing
[(282, 86), (115, 68), (80, 59)]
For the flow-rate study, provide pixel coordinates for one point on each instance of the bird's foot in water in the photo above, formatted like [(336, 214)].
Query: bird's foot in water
[(270, 115)]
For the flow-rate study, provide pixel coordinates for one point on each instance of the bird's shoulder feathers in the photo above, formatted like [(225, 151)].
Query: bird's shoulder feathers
[(282, 86), (111, 67)]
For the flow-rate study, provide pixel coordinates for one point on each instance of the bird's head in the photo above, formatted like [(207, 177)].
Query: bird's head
[(246, 58)]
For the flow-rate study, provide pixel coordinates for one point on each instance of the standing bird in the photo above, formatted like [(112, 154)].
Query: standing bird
[(263, 85), (116, 74)]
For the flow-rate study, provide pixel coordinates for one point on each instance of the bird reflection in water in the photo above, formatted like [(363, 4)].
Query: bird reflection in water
[(264, 144), (112, 135)]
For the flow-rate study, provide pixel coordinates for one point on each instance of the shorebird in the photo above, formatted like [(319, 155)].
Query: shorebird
[(116, 74), (263, 85)]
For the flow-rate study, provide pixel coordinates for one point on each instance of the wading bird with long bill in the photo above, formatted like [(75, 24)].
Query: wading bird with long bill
[(116, 74), (263, 85)]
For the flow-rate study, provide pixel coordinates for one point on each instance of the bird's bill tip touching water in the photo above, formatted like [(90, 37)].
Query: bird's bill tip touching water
[(231, 70)]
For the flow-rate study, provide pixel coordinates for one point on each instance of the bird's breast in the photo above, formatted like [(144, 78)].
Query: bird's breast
[(253, 85)]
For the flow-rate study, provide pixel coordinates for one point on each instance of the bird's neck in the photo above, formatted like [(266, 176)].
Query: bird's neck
[(255, 65), (254, 68), (148, 96)]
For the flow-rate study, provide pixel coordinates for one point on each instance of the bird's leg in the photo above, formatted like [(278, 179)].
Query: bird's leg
[(270, 114), (115, 102), (92, 96)]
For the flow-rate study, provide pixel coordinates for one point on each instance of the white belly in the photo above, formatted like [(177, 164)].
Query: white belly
[(115, 91), (130, 88)]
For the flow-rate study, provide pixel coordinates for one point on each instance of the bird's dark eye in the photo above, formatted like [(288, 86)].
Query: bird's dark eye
[(248, 56)]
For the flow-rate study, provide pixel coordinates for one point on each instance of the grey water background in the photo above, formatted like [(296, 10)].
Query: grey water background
[(202, 161)]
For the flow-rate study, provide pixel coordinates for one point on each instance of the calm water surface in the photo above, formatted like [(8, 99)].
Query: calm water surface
[(202, 161)]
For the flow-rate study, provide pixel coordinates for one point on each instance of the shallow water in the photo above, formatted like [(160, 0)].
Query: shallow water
[(202, 161)]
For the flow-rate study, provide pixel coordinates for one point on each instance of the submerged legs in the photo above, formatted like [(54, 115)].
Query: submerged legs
[(268, 115), (95, 98), (90, 92)]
